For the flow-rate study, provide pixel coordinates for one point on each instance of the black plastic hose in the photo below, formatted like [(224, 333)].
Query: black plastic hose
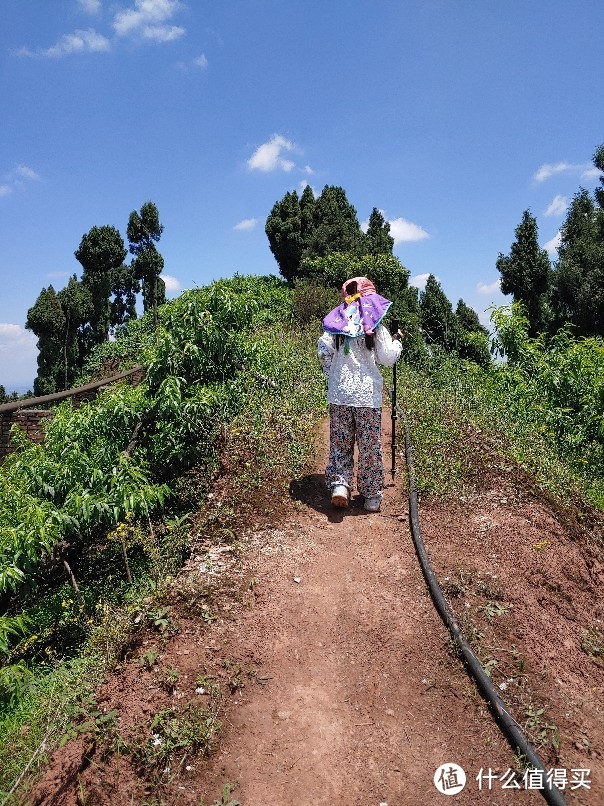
[(507, 724)]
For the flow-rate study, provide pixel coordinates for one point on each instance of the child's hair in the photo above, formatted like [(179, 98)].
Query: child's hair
[(352, 288)]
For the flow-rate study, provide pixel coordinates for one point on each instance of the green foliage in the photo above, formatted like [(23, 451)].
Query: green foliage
[(311, 301), (598, 161), (176, 734), (578, 279), (76, 304), (305, 228), (387, 273), (525, 273), (335, 226), (47, 320), (562, 382), (100, 253), (544, 407), (286, 231), (378, 238), (144, 230), (438, 322)]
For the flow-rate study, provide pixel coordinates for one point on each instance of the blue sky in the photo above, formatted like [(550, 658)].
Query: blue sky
[(451, 116)]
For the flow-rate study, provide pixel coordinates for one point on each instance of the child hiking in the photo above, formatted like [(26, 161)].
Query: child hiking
[(353, 344)]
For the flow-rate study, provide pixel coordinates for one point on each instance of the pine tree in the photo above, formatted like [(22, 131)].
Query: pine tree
[(101, 251), (438, 322), (144, 231), (378, 238), (47, 320), (578, 280), (525, 273)]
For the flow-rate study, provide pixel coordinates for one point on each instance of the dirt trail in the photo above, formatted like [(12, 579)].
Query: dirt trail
[(356, 697)]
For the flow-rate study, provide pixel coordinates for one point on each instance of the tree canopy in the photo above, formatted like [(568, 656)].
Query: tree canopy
[(84, 313), (578, 279), (303, 228), (144, 230), (525, 273)]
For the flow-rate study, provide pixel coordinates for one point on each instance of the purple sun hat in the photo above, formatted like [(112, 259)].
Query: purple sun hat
[(359, 314)]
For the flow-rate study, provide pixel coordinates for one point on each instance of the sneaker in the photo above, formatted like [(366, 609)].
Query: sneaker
[(373, 504), (339, 496)]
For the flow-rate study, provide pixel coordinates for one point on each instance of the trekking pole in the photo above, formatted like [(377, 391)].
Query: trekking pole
[(394, 326)]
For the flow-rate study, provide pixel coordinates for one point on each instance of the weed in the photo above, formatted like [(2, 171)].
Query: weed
[(543, 732), (489, 665), (171, 679), (158, 618), (493, 610), (208, 686), (148, 658), (173, 736), (488, 590), (225, 799), (592, 643), (88, 720)]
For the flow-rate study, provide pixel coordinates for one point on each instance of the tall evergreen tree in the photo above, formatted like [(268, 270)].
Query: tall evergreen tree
[(578, 280), (144, 231), (598, 160), (438, 322), (124, 288), (284, 232), (307, 212), (76, 304), (468, 319), (472, 340), (101, 251), (335, 225), (525, 273), (47, 320), (378, 238)]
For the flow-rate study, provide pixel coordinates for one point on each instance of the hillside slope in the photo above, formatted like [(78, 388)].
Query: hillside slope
[(335, 682)]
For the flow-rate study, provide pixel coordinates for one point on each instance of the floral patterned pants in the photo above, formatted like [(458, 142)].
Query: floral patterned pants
[(348, 424)]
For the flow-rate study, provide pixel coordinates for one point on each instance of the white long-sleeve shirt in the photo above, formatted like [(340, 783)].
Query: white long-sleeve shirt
[(354, 378)]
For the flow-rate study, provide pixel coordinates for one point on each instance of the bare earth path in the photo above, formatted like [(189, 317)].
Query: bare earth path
[(363, 700), (353, 694)]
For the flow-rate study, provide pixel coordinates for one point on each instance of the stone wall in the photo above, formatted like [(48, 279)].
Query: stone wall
[(30, 419)]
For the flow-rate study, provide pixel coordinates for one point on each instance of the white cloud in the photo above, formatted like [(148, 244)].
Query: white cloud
[(90, 6), (307, 170), (148, 18), (268, 156), (172, 283), (489, 288), (26, 172), (18, 354), (201, 61), (591, 173), (246, 225), (80, 41), (547, 170), (558, 206), (404, 231), (420, 280), (15, 179), (551, 247), (162, 33)]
